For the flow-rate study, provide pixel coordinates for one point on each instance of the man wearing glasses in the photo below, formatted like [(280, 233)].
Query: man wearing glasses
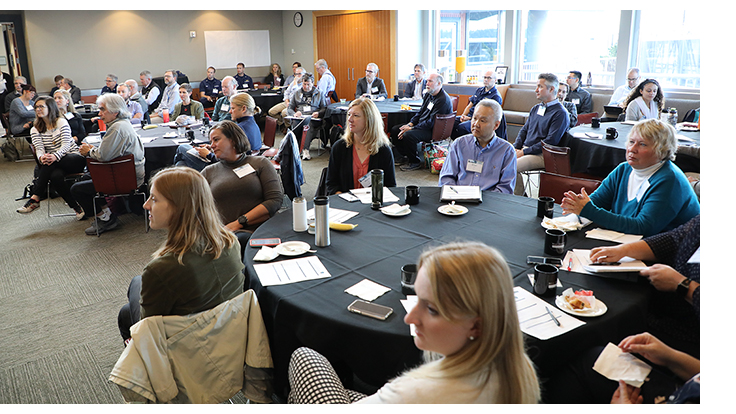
[(371, 86), (169, 98), (577, 95), (632, 79), (487, 91)]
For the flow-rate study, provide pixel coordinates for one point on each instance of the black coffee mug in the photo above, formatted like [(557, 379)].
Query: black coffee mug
[(411, 195), (545, 280), (595, 122), (396, 98), (611, 133), (545, 207), (408, 277), (554, 242)]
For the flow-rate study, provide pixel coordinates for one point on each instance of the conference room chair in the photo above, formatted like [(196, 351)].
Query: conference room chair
[(454, 100), (69, 179), (586, 118), (384, 118), (17, 141), (89, 99), (322, 186), (556, 185), (557, 161), (333, 96), (115, 178), (269, 137)]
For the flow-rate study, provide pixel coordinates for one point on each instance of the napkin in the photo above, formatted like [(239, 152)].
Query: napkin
[(610, 235), (367, 290), (395, 208), (615, 364), (265, 254), (570, 222)]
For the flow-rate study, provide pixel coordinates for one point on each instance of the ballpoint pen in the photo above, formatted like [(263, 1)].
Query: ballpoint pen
[(553, 316), (569, 265)]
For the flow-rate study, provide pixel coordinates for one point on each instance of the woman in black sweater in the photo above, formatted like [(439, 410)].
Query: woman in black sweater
[(66, 108), (363, 148)]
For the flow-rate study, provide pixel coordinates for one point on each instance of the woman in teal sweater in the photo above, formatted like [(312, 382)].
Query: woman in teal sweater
[(647, 194)]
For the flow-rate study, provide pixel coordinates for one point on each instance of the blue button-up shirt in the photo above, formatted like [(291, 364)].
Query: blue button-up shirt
[(499, 164), (210, 87)]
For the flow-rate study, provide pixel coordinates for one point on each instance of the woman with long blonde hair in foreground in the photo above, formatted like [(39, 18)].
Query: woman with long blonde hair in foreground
[(467, 324)]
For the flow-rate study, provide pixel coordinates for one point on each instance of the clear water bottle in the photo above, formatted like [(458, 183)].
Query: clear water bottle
[(672, 119)]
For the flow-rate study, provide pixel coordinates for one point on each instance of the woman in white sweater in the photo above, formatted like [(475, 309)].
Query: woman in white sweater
[(57, 155), (467, 324)]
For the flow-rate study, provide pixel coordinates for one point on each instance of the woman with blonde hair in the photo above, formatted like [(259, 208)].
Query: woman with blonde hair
[(198, 266), (363, 147), (647, 194), (242, 110), (274, 77), (467, 324), (66, 108)]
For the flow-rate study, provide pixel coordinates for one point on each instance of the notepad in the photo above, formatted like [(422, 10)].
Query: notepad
[(464, 193), (291, 271)]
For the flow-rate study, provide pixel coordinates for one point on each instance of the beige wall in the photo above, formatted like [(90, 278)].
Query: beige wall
[(87, 45)]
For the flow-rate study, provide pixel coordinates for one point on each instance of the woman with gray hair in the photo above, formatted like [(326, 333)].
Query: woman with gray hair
[(120, 139), (645, 195)]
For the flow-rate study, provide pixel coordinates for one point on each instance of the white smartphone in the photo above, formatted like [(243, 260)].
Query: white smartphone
[(370, 309)]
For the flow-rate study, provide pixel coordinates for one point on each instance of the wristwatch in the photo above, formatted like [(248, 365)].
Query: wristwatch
[(243, 220), (683, 287)]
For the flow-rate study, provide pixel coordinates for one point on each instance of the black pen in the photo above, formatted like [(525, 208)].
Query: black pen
[(553, 316)]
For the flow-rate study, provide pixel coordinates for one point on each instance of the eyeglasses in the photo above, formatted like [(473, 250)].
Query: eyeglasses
[(40, 107), (632, 79), (368, 71), (488, 77)]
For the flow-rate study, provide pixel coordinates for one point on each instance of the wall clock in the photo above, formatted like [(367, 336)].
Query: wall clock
[(298, 19)]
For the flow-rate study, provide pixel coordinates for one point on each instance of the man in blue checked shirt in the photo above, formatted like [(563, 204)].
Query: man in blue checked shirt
[(482, 158)]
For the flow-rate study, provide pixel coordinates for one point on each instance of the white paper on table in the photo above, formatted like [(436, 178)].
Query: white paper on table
[(367, 290), (181, 141), (610, 235), (93, 139), (291, 271), (265, 254), (366, 197), (146, 140), (409, 303), (534, 319), (628, 264), (615, 364), (587, 135), (336, 215), (570, 222)]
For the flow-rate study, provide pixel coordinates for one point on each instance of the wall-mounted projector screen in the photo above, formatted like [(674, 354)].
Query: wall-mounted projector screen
[(225, 48)]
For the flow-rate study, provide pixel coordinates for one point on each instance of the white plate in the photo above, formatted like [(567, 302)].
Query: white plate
[(292, 248), (452, 210), (600, 308), (403, 213)]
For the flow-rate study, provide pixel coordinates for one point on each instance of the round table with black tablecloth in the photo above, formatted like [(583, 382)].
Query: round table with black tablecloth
[(337, 112), (598, 157), (314, 313)]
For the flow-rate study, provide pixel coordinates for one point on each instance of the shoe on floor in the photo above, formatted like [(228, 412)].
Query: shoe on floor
[(103, 226), (400, 161), (30, 205), (411, 167), (305, 155)]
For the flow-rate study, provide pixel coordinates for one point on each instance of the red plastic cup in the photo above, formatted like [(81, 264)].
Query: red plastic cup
[(102, 125), (166, 115)]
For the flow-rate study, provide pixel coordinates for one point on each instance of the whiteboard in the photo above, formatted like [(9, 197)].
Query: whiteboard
[(226, 48)]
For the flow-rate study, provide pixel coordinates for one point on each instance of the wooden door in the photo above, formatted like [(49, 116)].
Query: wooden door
[(348, 42)]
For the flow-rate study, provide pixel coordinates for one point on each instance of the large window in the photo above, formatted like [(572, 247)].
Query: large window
[(474, 31), (669, 46), (559, 41)]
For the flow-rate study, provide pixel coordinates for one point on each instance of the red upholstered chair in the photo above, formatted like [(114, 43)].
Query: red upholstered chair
[(269, 137), (555, 185), (443, 125), (586, 118), (454, 100), (115, 178)]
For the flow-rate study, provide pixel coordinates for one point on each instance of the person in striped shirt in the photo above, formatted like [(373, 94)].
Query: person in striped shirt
[(57, 154)]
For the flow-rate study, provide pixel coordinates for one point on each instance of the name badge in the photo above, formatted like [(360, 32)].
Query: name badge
[(224, 108), (306, 108), (576, 101), (541, 110), (430, 106), (374, 89), (69, 115), (365, 180), (29, 107), (214, 91), (474, 166), (243, 170)]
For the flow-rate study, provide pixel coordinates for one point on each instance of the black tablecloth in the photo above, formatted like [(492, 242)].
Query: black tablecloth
[(337, 112), (598, 157), (314, 314)]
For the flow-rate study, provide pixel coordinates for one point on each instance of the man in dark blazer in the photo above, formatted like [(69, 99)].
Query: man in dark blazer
[(413, 90), (371, 86)]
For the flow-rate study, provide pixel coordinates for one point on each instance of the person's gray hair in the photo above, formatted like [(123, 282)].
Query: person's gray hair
[(440, 79), (375, 68), (551, 80), (187, 87), (421, 66), (124, 85), (301, 70), (114, 104), (230, 79), (23, 78), (320, 64), (495, 107), (661, 135), (307, 77), (173, 73), (638, 73), (113, 77), (133, 85), (147, 74)]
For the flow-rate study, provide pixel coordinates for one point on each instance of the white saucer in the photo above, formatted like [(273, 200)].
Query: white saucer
[(452, 210), (401, 214), (600, 308), (292, 248)]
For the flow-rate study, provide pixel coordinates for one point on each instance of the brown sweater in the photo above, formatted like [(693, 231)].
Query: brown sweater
[(236, 196)]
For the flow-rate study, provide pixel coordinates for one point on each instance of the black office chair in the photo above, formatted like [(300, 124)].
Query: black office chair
[(322, 186)]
